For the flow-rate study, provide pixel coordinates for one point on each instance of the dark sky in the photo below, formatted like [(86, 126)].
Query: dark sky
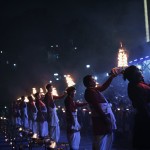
[(86, 32)]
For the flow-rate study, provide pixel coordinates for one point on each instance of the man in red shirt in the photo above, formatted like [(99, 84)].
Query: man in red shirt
[(103, 119), (73, 126), (139, 94)]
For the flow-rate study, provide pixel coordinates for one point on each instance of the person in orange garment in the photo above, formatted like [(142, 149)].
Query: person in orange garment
[(73, 127)]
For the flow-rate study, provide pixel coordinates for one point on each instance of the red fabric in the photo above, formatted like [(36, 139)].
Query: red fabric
[(100, 124)]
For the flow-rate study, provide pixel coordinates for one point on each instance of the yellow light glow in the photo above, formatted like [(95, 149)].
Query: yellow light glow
[(54, 91), (41, 90), (34, 90), (19, 98), (69, 80), (122, 58)]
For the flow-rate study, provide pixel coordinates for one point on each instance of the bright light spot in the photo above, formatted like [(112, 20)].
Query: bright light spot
[(57, 79), (146, 56), (5, 107), (1, 52), (55, 74), (52, 46), (141, 58), (7, 62), (20, 129), (75, 47), (50, 81), (56, 45), (41, 90), (34, 90), (139, 66), (14, 65), (19, 98), (87, 66), (130, 62), (107, 74), (95, 77), (127, 109), (26, 99), (52, 145), (118, 109), (35, 136), (135, 59)]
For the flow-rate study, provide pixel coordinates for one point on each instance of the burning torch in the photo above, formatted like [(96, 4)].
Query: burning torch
[(122, 61), (69, 80)]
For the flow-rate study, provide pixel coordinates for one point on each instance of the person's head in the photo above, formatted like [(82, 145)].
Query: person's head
[(133, 74), (71, 91), (37, 95), (30, 98), (49, 87), (89, 81), (22, 97)]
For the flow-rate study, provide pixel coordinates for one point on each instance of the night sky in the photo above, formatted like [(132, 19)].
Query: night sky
[(40, 38)]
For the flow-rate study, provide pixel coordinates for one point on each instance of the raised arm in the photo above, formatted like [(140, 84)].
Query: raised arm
[(106, 84)]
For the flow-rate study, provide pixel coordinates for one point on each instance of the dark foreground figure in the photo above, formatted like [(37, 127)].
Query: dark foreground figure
[(139, 94)]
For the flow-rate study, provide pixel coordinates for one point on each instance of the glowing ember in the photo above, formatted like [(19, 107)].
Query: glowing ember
[(122, 58), (34, 90), (69, 81), (53, 144), (54, 92)]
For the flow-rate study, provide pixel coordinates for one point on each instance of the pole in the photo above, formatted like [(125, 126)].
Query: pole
[(146, 21)]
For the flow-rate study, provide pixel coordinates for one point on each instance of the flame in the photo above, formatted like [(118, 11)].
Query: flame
[(69, 80), (26, 99), (34, 136), (122, 57), (19, 98), (53, 144), (54, 91), (34, 90), (41, 90)]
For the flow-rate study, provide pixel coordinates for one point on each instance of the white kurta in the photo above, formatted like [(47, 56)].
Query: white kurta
[(54, 124), (74, 137)]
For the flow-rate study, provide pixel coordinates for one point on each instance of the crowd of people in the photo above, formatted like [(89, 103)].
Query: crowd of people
[(41, 116)]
